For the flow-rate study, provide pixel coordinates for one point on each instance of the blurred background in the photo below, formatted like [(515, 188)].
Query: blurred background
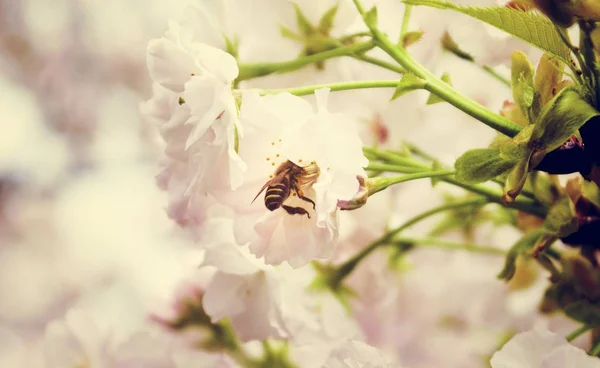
[(79, 207)]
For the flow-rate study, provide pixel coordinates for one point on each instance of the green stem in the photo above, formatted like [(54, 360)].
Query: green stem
[(255, 70), (228, 339), (578, 332), (564, 36), (589, 56), (381, 63), (342, 86), (595, 351), (352, 36), (495, 74), (522, 203), (393, 168), (439, 87), (383, 183), (347, 267), (405, 21), (403, 164), (443, 244)]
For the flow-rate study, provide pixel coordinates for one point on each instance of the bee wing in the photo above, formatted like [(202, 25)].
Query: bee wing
[(273, 180), (261, 190)]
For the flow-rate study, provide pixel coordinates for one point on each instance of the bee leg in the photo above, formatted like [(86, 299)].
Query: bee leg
[(295, 210), (302, 197)]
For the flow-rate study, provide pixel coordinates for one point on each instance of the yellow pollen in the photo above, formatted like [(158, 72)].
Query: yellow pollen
[(279, 139), (192, 74), (268, 158), (272, 163), (272, 143), (277, 155)]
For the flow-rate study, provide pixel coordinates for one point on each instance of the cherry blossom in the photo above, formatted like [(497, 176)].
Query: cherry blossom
[(203, 130), (544, 349), (283, 129)]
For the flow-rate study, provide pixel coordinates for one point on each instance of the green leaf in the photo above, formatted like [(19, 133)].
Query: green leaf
[(519, 248), (449, 44), (583, 311), (522, 82), (288, 33), (516, 179), (326, 21), (531, 27), (561, 219), (304, 25), (371, 17), (433, 99), (479, 165), (411, 37), (548, 74), (591, 192), (560, 119), (409, 82)]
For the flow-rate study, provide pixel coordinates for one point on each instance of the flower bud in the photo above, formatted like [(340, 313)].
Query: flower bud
[(359, 200)]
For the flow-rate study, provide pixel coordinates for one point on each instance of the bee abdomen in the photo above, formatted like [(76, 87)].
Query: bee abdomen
[(276, 195)]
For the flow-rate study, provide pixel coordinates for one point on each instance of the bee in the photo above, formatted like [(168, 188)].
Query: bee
[(289, 178)]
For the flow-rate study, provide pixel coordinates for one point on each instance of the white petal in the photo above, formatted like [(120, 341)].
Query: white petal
[(570, 356), (224, 296), (62, 348), (169, 65), (293, 238), (527, 349), (261, 318), (322, 95), (205, 95), (217, 62), (230, 258)]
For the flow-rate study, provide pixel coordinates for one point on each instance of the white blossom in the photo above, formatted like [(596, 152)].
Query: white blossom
[(199, 118), (544, 349), (285, 130)]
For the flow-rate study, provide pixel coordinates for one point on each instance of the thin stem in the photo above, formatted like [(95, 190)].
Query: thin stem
[(439, 87), (595, 350), (405, 22), (342, 86), (564, 36), (353, 35), (578, 332), (383, 183), (419, 152), (347, 267), (359, 7), (392, 168), (526, 203), (382, 63), (586, 46), (448, 245), (255, 70), (495, 74)]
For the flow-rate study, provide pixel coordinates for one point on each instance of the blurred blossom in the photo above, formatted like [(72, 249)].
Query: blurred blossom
[(28, 148)]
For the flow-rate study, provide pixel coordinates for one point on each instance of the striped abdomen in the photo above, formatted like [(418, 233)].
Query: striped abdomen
[(277, 193)]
